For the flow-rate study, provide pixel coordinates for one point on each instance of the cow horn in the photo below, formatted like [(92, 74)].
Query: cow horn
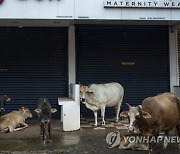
[(140, 109), (140, 106), (128, 105)]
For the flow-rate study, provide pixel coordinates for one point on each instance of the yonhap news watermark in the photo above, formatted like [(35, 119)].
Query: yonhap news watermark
[(114, 138), (151, 139)]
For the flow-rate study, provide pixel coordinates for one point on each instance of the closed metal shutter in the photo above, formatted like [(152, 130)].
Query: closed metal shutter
[(135, 56), (178, 38), (33, 64)]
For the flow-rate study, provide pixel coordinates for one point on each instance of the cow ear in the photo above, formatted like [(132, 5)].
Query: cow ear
[(37, 110), (53, 110), (7, 98), (124, 114), (90, 91), (146, 115), (21, 109)]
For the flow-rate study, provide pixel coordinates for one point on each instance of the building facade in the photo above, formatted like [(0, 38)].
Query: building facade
[(46, 45)]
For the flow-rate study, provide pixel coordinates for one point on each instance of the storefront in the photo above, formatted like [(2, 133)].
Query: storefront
[(130, 42), (34, 64), (131, 55), (34, 51), (46, 45)]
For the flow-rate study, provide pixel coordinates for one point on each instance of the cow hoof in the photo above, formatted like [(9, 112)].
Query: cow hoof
[(94, 126), (116, 121), (150, 151), (165, 145), (43, 141), (103, 126), (49, 141)]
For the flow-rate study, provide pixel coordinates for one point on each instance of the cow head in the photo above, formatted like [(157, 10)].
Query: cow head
[(136, 115), (84, 91), (26, 112), (45, 114), (3, 100)]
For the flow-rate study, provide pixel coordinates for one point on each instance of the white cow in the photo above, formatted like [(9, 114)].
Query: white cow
[(100, 96)]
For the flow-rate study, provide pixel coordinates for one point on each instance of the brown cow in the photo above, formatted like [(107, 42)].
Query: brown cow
[(15, 120), (158, 113)]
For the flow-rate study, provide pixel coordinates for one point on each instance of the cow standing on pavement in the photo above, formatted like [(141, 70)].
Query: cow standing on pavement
[(158, 113), (99, 96), (44, 111), (3, 100)]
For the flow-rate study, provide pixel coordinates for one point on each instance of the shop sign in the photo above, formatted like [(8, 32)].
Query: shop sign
[(1, 1), (142, 3)]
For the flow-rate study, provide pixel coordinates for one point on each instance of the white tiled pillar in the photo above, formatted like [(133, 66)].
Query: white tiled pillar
[(71, 55), (173, 57)]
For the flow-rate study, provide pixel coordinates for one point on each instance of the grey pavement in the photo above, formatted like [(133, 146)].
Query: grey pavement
[(83, 141)]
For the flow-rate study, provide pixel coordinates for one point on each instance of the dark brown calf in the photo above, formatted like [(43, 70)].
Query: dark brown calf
[(3, 100), (44, 112)]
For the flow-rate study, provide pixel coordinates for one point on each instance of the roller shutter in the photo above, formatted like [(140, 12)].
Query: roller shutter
[(135, 56), (33, 64), (178, 38)]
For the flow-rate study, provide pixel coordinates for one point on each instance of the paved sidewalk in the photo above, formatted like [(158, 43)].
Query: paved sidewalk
[(84, 141), (28, 140)]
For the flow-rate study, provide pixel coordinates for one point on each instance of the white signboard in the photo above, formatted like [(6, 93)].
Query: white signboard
[(90, 9), (127, 9), (142, 3), (37, 9)]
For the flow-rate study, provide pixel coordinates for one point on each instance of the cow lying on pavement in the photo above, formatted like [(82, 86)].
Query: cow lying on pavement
[(125, 144), (44, 112), (15, 120), (158, 113), (3, 100), (99, 96)]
